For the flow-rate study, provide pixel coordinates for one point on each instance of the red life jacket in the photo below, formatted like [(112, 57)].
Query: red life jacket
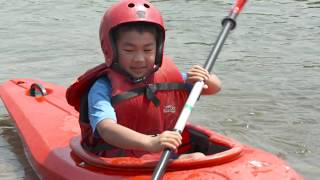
[(149, 107)]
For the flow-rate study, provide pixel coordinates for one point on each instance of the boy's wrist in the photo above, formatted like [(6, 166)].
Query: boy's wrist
[(150, 143)]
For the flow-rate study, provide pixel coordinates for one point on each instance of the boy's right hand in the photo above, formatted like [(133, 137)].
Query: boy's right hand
[(167, 139)]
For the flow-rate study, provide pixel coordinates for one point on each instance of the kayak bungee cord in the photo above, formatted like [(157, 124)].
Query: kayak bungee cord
[(228, 23)]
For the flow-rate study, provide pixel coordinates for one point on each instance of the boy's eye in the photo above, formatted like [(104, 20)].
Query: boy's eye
[(128, 50), (148, 50)]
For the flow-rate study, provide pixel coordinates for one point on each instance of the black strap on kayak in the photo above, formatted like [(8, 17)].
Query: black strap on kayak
[(149, 91), (37, 89)]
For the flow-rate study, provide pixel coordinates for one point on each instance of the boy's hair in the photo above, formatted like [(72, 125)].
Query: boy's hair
[(138, 27)]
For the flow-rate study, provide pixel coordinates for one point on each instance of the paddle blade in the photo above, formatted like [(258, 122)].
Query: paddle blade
[(238, 6)]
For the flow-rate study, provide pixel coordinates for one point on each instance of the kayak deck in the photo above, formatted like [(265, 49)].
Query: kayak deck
[(50, 132)]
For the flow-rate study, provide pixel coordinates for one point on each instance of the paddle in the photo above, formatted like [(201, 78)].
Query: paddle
[(228, 23)]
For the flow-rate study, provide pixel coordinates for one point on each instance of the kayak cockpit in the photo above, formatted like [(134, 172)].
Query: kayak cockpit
[(218, 150)]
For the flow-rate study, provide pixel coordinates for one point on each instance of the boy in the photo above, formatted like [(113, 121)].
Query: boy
[(135, 98)]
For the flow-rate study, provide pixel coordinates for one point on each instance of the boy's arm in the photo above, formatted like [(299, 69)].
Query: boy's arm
[(213, 85), (125, 138)]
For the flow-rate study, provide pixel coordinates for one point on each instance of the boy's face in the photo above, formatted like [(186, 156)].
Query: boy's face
[(137, 51)]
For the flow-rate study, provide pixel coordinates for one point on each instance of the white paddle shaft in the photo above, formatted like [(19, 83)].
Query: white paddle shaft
[(186, 111)]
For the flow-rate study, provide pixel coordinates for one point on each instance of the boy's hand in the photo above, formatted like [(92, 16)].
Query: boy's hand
[(167, 139), (198, 73)]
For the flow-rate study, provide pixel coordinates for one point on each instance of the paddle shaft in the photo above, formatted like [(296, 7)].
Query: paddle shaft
[(229, 24)]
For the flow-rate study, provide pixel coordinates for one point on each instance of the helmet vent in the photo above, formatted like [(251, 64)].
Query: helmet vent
[(146, 5), (131, 5)]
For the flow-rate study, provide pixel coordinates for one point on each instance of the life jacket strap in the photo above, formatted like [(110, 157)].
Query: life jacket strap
[(149, 91)]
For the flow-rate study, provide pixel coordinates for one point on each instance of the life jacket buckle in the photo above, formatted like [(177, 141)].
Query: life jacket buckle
[(150, 94)]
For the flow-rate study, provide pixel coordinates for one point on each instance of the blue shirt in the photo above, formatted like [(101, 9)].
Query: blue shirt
[(99, 102)]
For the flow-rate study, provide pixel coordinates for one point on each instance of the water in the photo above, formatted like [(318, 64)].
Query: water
[(270, 67)]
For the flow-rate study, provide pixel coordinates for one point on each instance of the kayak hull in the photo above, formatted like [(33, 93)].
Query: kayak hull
[(50, 133)]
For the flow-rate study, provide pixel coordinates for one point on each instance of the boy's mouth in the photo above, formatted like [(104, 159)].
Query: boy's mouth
[(139, 70), (142, 68)]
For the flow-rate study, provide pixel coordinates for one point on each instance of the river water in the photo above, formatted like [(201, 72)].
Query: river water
[(270, 67)]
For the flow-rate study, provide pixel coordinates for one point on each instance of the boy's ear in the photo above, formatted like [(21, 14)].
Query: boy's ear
[(109, 59)]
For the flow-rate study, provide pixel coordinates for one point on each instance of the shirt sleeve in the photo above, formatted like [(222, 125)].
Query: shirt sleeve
[(185, 77), (99, 103)]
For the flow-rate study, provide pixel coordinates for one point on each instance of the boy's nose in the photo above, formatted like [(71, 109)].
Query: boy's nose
[(139, 57)]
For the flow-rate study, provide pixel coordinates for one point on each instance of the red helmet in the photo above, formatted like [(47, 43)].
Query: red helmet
[(130, 11)]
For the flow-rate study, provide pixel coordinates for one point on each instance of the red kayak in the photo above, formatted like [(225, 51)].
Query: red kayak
[(50, 132)]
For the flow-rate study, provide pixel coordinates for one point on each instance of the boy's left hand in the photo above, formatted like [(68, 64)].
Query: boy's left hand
[(198, 73)]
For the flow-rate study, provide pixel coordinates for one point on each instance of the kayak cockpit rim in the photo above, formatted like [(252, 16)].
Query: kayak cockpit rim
[(218, 150)]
